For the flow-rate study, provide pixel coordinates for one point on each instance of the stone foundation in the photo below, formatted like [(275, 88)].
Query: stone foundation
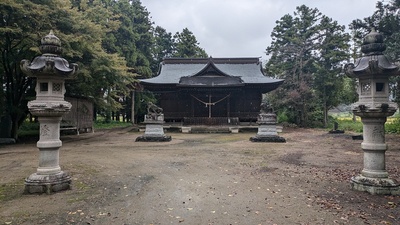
[(38, 184), (163, 138), (376, 186), (271, 138)]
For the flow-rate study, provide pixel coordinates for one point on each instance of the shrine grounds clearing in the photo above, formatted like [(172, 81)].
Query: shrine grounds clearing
[(200, 179)]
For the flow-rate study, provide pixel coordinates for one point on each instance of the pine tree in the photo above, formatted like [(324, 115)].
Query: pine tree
[(163, 46), (186, 45), (307, 50)]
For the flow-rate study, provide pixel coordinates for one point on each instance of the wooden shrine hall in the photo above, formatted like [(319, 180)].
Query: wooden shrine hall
[(210, 91)]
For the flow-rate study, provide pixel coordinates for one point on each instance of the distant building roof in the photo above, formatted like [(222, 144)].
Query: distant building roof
[(211, 72)]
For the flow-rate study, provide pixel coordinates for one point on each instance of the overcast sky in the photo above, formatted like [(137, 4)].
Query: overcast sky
[(242, 28)]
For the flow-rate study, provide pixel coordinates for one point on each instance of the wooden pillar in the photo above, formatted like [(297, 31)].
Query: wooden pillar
[(192, 106), (133, 107), (209, 105), (228, 106)]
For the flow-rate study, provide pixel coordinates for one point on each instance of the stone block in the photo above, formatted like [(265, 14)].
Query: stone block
[(186, 129), (279, 129), (270, 138), (234, 130)]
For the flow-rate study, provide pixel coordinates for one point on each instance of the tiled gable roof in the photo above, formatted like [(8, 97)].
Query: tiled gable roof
[(249, 70)]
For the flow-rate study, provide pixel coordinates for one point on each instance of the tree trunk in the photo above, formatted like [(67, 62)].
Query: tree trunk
[(14, 128), (325, 109), (94, 114), (133, 108), (108, 117), (325, 116), (117, 116), (14, 131)]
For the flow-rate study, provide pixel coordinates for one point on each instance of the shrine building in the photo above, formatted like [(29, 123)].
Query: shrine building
[(210, 91)]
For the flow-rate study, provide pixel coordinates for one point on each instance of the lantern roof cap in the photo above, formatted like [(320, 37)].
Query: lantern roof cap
[(373, 43), (50, 44), (374, 62), (49, 63)]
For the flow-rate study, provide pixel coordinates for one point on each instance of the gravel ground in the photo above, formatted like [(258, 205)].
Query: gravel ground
[(199, 179)]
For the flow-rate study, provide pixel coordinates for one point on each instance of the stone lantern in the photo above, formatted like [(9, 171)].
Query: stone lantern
[(373, 71), (50, 71), (267, 131)]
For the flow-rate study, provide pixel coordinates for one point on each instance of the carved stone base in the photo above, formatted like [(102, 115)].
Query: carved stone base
[(267, 130), (154, 130), (37, 184), (376, 186), (270, 138), (145, 138)]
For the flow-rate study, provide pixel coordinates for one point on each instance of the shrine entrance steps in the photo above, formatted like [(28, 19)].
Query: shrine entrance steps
[(210, 121)]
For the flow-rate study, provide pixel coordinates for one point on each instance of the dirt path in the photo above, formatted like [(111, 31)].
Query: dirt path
[(199, 179)]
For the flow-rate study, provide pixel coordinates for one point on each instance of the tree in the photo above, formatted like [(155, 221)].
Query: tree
[(20, 29), (307, 50), (163, 46), (386, 20), (81, 32), (186, 45), (328, 77), (133, 39), (110, 73)]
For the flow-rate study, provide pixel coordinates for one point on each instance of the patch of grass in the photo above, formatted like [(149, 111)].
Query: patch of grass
[(18, 217), (11, 191), (81, 185), (228, 138), (110, 125), (392, 125), (350, 125), (28, 129)]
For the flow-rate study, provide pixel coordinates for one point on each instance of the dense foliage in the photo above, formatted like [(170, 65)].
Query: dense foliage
[(308, 50), (113, 41)]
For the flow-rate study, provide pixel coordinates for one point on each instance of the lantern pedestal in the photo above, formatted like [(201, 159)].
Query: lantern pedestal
[(374, 178), (48, 177), (154, 129), (267, 129)]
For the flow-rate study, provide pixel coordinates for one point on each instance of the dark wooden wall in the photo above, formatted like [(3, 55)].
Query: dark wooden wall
[(244, 104)]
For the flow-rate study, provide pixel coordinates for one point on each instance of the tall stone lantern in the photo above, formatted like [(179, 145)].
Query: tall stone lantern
[(50, 71), (373, 71)]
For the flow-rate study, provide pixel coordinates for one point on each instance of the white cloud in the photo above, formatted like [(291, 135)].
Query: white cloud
[(242, 28)]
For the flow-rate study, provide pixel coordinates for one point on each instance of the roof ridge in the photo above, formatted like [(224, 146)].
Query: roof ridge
[(241, 60)]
